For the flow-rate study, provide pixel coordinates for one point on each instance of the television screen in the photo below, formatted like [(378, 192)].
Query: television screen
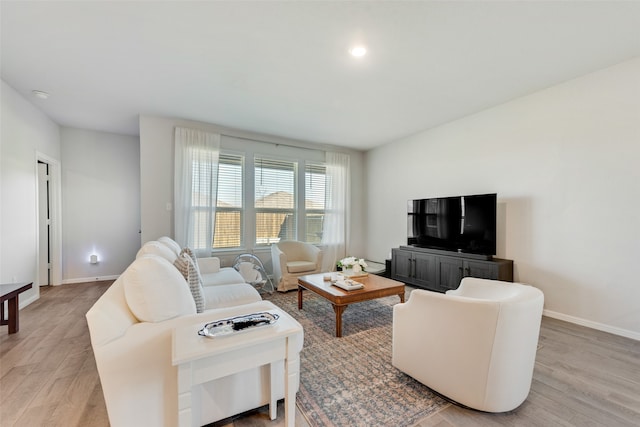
[(460, 224)]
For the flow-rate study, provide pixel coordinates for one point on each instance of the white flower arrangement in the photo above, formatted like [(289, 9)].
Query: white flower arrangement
[(356, 264)]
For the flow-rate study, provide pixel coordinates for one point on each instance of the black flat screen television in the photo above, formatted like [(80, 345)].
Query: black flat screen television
[(464, 224)]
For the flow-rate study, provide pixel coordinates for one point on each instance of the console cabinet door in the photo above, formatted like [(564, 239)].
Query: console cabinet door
[(424, 270), (401, 266), (481, 270), (449, 273), (440, 273)]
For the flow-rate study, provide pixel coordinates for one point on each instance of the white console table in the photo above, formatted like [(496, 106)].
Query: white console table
[(202, 359)]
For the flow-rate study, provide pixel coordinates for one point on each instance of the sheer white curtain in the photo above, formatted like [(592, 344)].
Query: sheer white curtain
[(195, 188), (335, 227)]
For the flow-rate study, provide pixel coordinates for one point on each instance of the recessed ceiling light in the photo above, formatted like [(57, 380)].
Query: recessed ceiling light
[(40, 94), (358, 51)]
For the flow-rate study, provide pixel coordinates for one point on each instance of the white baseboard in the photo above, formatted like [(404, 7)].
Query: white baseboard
[(89, 279), (26, 301), (593, 325)]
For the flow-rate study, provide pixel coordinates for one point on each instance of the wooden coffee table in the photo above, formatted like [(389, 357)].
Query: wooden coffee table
[(374, 287)]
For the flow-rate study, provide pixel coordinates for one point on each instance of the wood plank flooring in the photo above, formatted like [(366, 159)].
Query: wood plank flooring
[(48, 375)]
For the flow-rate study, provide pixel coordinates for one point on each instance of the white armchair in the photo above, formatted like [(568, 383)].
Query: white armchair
[(292, 259), (475, 345)]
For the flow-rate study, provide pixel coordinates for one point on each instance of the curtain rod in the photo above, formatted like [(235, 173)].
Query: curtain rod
[(277, 144)]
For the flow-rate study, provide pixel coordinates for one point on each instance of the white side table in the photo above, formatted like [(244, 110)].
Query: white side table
[(202, 359)]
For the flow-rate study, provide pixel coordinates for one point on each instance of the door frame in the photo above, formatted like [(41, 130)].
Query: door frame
[(55, 212)]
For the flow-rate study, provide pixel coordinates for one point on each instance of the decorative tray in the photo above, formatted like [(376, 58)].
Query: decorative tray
[(355, 275), (234, 325), (347, 284)]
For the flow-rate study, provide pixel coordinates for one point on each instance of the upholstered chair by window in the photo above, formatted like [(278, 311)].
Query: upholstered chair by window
[(292, 259)]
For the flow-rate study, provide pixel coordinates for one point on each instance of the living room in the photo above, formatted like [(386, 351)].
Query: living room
[(561, 156)]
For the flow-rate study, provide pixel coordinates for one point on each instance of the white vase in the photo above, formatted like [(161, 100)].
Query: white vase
[(357, 268)]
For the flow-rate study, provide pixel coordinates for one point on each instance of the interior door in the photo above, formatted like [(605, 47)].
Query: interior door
[(44, 224)]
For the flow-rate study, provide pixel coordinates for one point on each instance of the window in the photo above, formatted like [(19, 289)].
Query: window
[(264, 198), (229, 205), (275, 200), (315, 184)]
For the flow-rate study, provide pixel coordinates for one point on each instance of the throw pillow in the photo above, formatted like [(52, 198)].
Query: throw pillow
[(155, 290), (185, 265), (189, 252)]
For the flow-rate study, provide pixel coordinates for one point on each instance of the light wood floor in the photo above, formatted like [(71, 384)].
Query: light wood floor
[(48, 375)]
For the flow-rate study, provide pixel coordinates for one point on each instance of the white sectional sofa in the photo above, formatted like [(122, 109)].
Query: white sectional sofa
[(131, 334), (210, 270)]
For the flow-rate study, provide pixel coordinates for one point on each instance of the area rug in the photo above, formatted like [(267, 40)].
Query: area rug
[(350, 381)]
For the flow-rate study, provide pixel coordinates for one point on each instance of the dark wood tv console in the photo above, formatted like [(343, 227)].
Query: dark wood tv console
[(440, 271)]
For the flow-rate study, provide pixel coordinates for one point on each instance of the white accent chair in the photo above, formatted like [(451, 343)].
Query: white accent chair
[(292, 259), (475, 345)]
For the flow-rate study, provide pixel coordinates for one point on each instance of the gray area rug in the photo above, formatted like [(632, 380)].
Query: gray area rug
[(350, 381)]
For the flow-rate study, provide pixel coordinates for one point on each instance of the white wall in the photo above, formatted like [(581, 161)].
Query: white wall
[(565, 164), (25, 131), (156, 175), (101, 203)]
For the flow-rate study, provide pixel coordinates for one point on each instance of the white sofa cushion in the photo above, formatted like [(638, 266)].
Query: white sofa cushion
[(225, 276), (230, 295), (170, 243), (156, 291), (208, 265), (300, 266), (185, 265), (154, 247)]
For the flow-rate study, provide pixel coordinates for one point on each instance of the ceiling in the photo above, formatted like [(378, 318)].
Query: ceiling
[(283, 68)]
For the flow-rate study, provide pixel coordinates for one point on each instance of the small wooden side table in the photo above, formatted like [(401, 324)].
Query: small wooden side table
[(9, 292), (202, 359)]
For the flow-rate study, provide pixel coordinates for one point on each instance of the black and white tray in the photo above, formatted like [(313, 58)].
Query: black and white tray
[(235, 325)]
